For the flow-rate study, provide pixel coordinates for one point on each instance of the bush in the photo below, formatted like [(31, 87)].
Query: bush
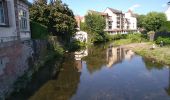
[(135, 37), (116, 36), (165, 27), (165, 40), (76, 45), (38, 31)]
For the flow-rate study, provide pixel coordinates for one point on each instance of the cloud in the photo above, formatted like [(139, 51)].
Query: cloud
[(134, 7), (164, 5)]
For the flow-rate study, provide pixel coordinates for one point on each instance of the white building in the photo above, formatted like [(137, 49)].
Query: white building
[(131, 21), (14, 20), (167, 12), (81, 36), (115, 22), (119, 22)]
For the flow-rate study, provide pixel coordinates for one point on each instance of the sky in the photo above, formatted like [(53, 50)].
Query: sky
[(80, 7)]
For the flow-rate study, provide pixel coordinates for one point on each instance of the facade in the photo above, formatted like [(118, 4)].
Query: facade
[(119, 22), (81, 36), (116, 21), (167, 12), (14, 20)]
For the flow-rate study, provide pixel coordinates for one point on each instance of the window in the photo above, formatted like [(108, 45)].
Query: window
[(22, 19), (110, 27), (2, 15), (110, 23)]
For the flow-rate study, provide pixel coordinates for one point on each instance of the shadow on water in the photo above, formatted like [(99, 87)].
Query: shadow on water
[(64, 85)]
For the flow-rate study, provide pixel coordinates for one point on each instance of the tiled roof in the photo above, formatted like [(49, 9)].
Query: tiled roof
[(115, 10)]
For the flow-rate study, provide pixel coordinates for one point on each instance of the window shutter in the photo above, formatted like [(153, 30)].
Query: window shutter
[(6, 12)]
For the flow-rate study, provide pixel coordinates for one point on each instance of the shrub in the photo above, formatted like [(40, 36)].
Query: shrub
[(135, 37), (117, 36), (38, 31), (165, 40), (165, 27), (76, 45)]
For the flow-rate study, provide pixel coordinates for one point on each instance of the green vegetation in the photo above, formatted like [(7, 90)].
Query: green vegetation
[(94, 25), (76, 45), (153, 21), (56, 16), (165, 27), (122, 39), (161, 55), (140, 21), (165, 40), (38, 31)]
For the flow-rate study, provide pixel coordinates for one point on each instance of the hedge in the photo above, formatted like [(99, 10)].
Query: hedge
[(38, 31)]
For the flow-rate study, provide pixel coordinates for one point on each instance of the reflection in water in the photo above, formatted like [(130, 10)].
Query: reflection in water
[(78, 57), (131, 78), (64, 86), (117, 54)]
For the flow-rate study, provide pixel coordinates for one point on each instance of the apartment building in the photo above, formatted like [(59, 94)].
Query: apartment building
[(14, 20), (167, 12), (116, 20), (119, 22)]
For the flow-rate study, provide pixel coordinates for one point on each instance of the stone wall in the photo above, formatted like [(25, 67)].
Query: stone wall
[(15, 60)]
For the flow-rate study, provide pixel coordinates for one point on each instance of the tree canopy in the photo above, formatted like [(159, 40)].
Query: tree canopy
[(95, 25), (56, 15), (153, 21), (140, 21)]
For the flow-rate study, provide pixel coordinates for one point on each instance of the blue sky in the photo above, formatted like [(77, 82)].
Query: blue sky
[(80, 7)]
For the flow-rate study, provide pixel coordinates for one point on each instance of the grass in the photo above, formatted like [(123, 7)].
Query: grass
[(122, 42), (159, 54)]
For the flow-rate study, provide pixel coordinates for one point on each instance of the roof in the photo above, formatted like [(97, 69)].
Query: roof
[(133, 14), (115, 10), (101, 13)]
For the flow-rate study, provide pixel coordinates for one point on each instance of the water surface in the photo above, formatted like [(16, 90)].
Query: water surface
[(100, 73), (106, 73)]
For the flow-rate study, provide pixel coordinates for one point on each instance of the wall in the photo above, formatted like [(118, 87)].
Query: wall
[(167, 12), (15, 59), (9, 33), (24, 35)]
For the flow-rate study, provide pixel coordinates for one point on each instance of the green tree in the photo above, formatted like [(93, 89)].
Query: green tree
[(56, 15), (140, 21), (95, 24), (154, 20)]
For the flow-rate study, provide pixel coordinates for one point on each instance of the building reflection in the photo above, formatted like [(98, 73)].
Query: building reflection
[(117, 54), (78, 58)]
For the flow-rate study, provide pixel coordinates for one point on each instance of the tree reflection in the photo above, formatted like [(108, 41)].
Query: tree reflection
[(65, 84), (151, 64), (96, 58)]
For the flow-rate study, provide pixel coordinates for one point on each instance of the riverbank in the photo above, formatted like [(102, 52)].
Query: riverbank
[(159, 54)]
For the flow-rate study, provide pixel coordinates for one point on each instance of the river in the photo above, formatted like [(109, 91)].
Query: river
[(100, 73)]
